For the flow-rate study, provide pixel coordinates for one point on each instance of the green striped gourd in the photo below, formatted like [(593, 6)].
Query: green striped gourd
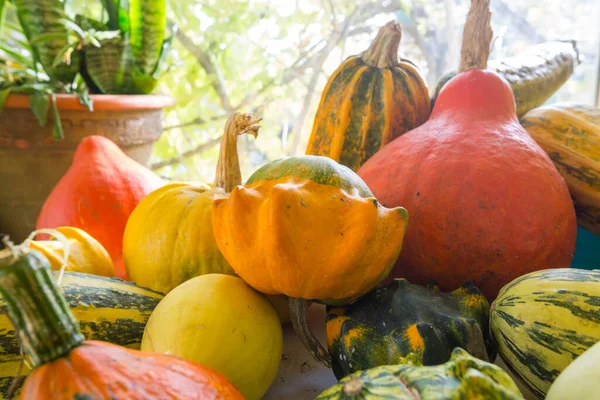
[(462, 377), (543, 320), (107, 309)]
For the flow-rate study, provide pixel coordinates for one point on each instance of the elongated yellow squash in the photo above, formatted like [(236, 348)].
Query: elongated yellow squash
[(543, 320), (570, 134), (108, 309)]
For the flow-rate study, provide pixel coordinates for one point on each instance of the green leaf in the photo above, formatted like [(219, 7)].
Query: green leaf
[(57, 129), (112, 9), (39, 105), (110, 66), (61, 54), (18, 57), (44, 37), (124, 15), (3, 96), (87, 23), (148, 22), (2, 15)]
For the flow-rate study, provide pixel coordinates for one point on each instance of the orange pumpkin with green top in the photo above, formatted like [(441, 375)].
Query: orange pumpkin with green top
[(308, 228), (370, 100), (387, 324), (67, 366)]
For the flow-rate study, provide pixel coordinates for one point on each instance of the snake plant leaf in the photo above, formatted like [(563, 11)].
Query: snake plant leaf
[(44, 17), (38, 102), (110, 66), (148, 22), (123, 15)]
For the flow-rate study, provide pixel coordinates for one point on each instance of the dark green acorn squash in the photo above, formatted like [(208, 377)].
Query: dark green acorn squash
[(463, 377), (390, 322)]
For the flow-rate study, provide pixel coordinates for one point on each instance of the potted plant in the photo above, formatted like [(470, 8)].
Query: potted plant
[(65, 76)]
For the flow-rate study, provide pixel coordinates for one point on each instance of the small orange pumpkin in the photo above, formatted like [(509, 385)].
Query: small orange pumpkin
[(69, 367), (309, 228)]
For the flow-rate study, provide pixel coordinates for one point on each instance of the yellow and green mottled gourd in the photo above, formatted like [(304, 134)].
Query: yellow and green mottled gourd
[(543, 320), (570, 134), (534, 75), (463, 377), (107, 309), (399, 319)]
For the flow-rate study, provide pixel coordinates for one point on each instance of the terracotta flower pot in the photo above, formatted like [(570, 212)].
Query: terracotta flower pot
[(32, 162)]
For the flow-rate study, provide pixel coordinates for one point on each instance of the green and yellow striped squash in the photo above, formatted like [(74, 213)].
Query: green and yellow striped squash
[(369, 100), (570, 134), (107, 309), (463, 377), (402, 318), (543, 320)]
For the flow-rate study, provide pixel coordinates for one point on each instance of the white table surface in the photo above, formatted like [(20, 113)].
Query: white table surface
[(301, 377)]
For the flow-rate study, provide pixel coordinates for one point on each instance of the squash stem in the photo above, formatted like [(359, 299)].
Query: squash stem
[(36, 307), (383, 52), (477, 37), (228, 174), (298, 308)]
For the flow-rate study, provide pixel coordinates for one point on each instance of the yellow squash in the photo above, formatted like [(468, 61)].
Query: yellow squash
[(86, 254), (220, 321), (570, 134), (169, 237)]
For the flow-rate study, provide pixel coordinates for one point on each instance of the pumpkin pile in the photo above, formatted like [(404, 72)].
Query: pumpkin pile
[(436, 239)]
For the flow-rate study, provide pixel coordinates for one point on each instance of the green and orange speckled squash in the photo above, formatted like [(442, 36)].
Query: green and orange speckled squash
[(391, 322), (370, 100), (570, 134), (463, 377)]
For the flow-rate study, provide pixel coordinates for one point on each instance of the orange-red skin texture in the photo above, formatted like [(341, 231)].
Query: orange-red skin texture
[(485, 201), (98, 193), (104, 371)]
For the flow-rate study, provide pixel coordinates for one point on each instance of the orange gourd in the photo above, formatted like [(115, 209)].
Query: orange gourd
[(98, 193), (486, 202), (66, 366)]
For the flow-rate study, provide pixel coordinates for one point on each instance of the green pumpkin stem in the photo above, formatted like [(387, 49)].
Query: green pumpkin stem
[(228, 174), (37, 309), (298, 308), (383, 52)]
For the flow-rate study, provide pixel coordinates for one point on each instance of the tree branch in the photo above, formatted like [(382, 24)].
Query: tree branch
[(195, 121), (212, 69), (517, 21), (196, 150)]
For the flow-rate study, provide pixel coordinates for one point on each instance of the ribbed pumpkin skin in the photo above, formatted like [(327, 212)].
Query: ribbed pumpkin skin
[(364, 106), (400, 319), (99, 370), (542, 321), (486, 203), (108, 309), (463, 377), (570, 134)]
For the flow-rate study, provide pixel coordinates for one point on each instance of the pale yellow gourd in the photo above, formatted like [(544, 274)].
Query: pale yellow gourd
[(86, 254), (220, 321), (579, 381)]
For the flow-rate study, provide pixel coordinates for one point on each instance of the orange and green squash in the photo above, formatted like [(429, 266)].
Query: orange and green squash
[(463, 377), (222, 323), (108, 309), (400, 319), (534, 75), (370, 100), (570, 134), (486, 202), (308, 228), (86, 254), (66, 366), (169, 237)]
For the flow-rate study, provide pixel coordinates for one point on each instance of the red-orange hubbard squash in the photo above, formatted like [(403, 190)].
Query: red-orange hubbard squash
[(485, 201)]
